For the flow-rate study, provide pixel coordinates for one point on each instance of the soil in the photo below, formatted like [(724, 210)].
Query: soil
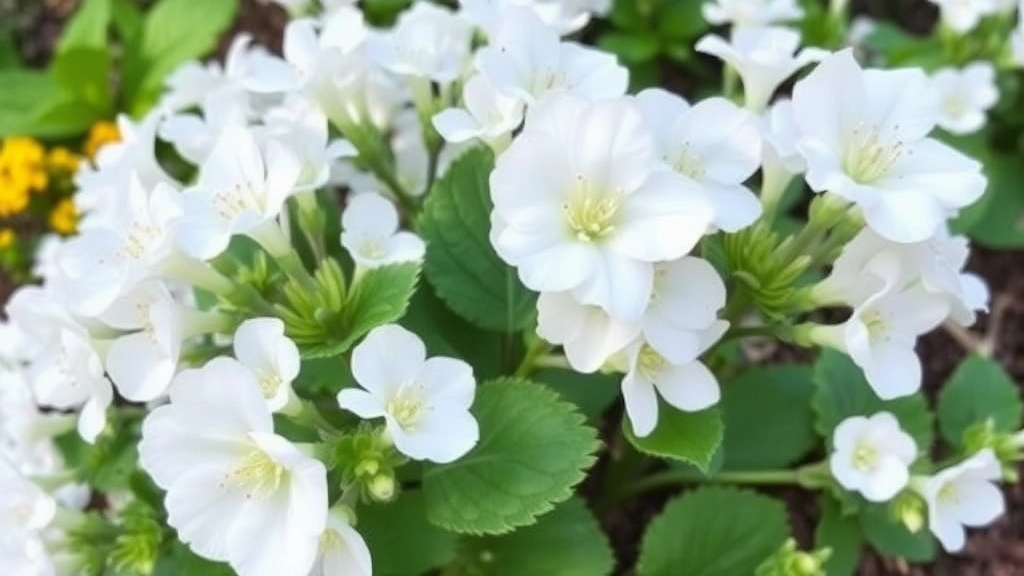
[(995, 551)]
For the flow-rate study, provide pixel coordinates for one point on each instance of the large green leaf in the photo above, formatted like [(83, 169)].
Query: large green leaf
[(591, 393), (84, 73), (87, 28), (691, 437), (890, 538), (20, 98), (978, 391), (842, 391), (173, 32), (768, 418), (841, 535), (566, 542), (401, 540), (713, 532), (460, 263), (1002, 223), (534, 448)]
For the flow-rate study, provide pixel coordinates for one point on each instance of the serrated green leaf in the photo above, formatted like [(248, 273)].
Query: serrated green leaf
[(768, 418), (183, 562), (713, 532), (691, 437), (840, 534), (566, 542), (979, 390), (842, 391), (890, 538), (591, 393), (534, 448), (460, 263), (401, 541)]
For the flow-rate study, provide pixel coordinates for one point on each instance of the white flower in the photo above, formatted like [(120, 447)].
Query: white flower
[(260, 344), (343, 551), (424, 401), (193, 136), (588, 335), (872, 455), (562, 16), (963, 495), (24, 507), (751, 13), (864, 136), (25, 555), (428, 41), (526, 60), (714, 143), (236, 492), (965, 96), (688, 386), (241, 189), (763, 57), (686, 298), (487, 114), (581, 204), (962, 16), (882, 331), (300, 125), (371, 236), (107, 261)]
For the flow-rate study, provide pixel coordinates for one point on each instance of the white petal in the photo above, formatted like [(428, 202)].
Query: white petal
[(690, 387), (641, 404), (388, 357)]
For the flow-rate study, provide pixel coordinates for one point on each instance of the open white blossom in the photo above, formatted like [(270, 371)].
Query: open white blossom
[(487, 115), (581, 204), (965, 96), (371, 236), (24, 507), (236, 492), (343, 551), (563, 16), (872, 455), (424, 401), (428, 41), (260, 344), (751, 13), (962, 16), (763, 57), (587, 333), (864, 135), (964, 495)]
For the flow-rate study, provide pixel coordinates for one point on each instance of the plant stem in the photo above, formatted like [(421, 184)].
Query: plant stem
[(537, 349), (810, 476)]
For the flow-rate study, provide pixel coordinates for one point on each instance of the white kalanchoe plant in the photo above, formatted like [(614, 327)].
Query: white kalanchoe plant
[(872, 455)]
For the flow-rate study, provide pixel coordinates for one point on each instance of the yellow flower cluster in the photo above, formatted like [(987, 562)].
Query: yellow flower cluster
[(100, 134), (64, 217), (22, 170)]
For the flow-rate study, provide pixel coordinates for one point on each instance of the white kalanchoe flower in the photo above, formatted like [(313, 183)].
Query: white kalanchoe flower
[(424, 401), (428, 41), (962, 495), (241, 189), (688, 386), (582, 204), (260, 345), (962, 16), (370, 233), (687, 295), (107, 261), (236, 492), (764, 58), (719, 159), (864, 135), (487, 114), (343, 551), (526, 60), (589, 336), (882, 331), (24, 507), (872, 455), (300, 125), (193, 135), (965, 96), (751, 13)]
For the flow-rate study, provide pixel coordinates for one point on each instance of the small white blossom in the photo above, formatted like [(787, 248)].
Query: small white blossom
[(487, 115), (965, 96), (428, 41), (872, 455), (371, 236), (424, 401), (751, 13), (965, 495), (260, 345), (588, 335), (343, 551), (962, 16)]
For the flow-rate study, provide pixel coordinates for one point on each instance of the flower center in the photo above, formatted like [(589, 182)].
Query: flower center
[(877, 325), (954, 106), (649, 363), (590, 215), (869, 156), (948, 494), (406, 406), (256, 474), (865, 456), (688, 163), (229, 204), (136, 243), (330, 540), (269, 383), (372, 249)]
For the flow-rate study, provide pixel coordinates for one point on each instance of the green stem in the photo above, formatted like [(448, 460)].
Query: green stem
[(811, 476), (293, 266), (552, 361), (537, 349)]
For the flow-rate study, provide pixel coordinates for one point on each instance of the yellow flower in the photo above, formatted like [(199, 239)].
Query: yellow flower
[(13, 195), (62, 161), (64, 218), (7, 238), (100, 134), (22, 165)]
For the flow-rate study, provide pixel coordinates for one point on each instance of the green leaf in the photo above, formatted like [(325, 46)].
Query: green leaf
[(566, 542), (534, 448), (840, 534), (127, 19), (380, 296), (1002, 223), (692, 437), (401, 540), (460, 263), (87, 28), (591, 393), (891, 538), (979, 390), (183, 562), (681, 20), (84, 73), (10, 57), (768, 418), (631, 48), (842, 391), (63, 117), (174, 32), (713, 532), (23, 90)]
